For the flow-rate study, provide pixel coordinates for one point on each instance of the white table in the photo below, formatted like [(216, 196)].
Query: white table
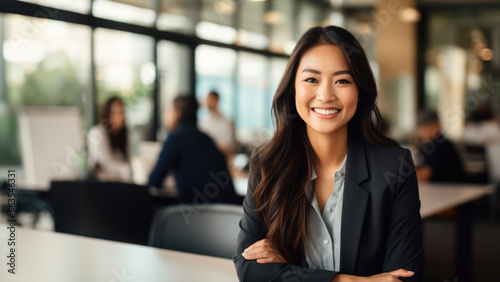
[(45, 256), (436, 197)]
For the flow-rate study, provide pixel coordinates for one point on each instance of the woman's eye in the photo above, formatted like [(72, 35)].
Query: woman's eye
[(342, 81), (311, 80)]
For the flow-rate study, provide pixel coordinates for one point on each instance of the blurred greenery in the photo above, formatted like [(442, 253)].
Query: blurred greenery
[(9, 138), (52, 82)]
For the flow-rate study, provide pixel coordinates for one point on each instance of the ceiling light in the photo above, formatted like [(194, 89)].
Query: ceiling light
[(486, 54), (273, 17), (365, 28), (225, 6), (409, 15)]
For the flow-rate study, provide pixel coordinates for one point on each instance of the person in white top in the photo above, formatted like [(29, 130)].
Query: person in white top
[(218, 127), (108, 144), (483, 127)]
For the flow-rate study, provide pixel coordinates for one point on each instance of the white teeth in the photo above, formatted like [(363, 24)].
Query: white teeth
[(325, 112)]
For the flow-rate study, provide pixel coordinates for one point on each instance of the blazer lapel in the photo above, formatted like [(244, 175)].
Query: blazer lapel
[(354, 203)]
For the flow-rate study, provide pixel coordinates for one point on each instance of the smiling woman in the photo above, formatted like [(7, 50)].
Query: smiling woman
[(330, 197)]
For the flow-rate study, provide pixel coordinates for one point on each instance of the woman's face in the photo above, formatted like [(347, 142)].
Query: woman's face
[(117, 116), (326, 96)]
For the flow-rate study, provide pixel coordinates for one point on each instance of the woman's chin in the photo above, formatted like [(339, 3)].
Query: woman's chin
[(326, 129)]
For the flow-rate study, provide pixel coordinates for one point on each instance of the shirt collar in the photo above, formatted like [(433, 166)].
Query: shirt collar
[(341, 169), (309, 189), (313, 174)]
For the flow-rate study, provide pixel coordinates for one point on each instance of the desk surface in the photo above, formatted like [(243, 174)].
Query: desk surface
[(436, 197), (45, 256)]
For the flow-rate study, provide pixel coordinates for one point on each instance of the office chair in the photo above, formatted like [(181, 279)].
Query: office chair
[(27, 201), (208, 230), (493, 161), (106, 210)]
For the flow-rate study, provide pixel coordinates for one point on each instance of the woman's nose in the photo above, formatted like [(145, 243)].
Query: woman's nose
[(325, 93)]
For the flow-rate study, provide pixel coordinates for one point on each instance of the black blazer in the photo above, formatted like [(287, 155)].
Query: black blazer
[(381, 228)]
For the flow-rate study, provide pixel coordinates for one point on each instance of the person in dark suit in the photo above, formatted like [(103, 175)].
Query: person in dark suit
[(440, 160), (330, 197), (200, 169)]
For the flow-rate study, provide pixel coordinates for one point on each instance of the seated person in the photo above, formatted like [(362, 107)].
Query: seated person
[(108, 144), (440, 161), (200, 169), (482, 127)]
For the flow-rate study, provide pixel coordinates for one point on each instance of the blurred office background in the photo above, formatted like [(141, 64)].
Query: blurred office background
[(442, 55)]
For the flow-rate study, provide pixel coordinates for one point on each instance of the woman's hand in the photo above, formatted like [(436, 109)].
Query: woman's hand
[(263, 253), (392, 276), (382, 277)]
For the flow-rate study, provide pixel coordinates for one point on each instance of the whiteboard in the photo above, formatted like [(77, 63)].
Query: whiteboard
[(52, 145)]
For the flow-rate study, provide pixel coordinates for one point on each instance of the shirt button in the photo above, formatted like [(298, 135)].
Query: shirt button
[(325, 242), (329, 209), (338, 173)]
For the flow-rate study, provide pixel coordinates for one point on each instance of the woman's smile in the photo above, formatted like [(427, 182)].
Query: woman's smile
[(325, 112)]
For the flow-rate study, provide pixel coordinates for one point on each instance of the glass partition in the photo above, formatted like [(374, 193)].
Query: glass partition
[(79, 6), (139, 12), (176, 16), (174, 76), (215, 70)]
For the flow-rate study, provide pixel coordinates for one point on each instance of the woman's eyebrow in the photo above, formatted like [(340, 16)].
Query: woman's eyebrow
[(318, 72), (311, 70), (342, 72)]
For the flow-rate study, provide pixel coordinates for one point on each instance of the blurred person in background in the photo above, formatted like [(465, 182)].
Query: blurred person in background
[(200, 169), (481, 141), (109, 145), (439, 159), (218, 127), (482, 128)]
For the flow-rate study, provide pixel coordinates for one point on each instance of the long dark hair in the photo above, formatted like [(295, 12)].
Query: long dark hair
[(119, 140), (283, 165)]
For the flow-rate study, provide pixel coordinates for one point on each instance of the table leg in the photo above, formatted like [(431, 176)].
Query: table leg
[(464, 243)]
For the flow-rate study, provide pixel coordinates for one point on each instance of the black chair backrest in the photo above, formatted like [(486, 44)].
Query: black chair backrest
[(208, 230), (107, 210)]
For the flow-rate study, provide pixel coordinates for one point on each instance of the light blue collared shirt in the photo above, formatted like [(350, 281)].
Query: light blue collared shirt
[(323, 240)]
